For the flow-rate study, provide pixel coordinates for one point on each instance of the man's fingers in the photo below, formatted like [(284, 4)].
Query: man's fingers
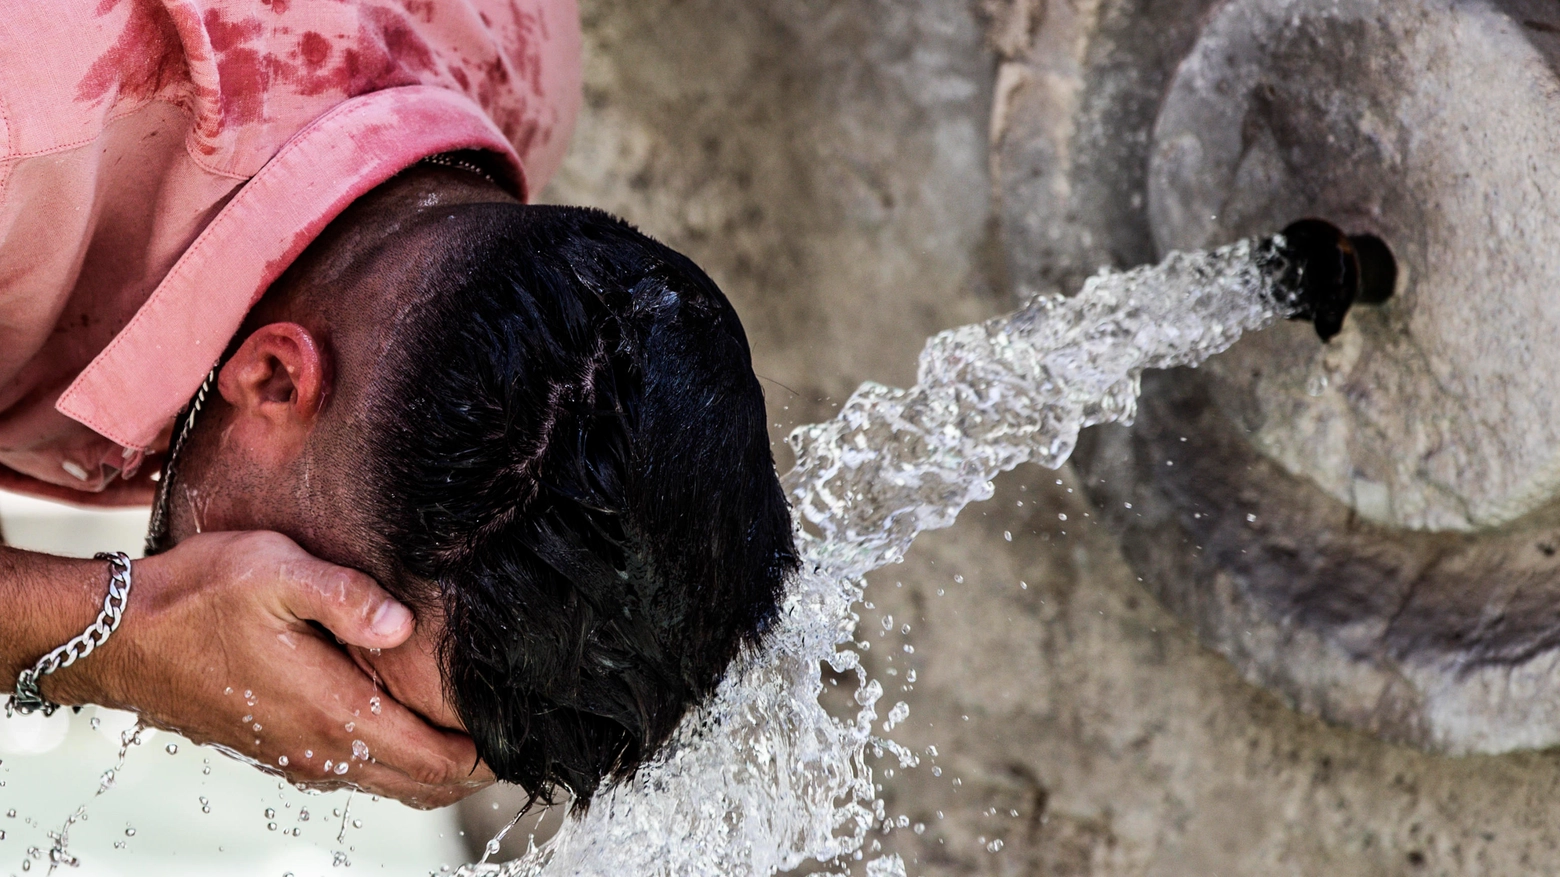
[(353, 709), (399, 739), (379, 780), (350, 604)]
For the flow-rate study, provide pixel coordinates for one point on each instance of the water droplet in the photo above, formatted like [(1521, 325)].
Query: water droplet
[(249, 718), (281, 761), (373, 704), (899, 713), (341, 768), (1061, 516), (357, 823), (351, 726), (329, 763), (1007, 535), (270, 826), (129, 832), (359, 750), (171, 749), (303, 814), (1316, 384), (270, 812), (995, 846), (228, 690), (308, 753)]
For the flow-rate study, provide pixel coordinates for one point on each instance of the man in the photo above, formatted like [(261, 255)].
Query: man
[(469, 480)]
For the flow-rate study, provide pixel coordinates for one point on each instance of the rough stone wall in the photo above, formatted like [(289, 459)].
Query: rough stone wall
[(831, 164), (825, 162), (1102, 740)]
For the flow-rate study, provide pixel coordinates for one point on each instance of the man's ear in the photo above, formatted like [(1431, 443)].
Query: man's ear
[(278, 380)]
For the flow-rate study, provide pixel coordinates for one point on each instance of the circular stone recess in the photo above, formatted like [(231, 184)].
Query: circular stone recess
[(1365, 527), (1434, 125)]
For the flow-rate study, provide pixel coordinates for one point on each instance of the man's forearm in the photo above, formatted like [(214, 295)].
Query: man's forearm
[(44, 601)]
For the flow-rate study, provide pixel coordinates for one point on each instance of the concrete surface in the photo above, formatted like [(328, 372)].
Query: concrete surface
[(1102, 741)]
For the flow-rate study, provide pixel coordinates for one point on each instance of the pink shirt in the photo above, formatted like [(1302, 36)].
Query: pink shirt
[(162, 161)]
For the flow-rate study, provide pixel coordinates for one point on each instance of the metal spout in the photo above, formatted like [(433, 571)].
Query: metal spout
[(1322, 272)]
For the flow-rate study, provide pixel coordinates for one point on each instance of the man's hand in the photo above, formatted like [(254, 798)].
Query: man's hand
[(217, 644)]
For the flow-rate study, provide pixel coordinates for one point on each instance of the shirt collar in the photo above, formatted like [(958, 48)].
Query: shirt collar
[(138, 384)]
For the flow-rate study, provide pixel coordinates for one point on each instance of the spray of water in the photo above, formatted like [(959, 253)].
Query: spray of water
[(763, 779)]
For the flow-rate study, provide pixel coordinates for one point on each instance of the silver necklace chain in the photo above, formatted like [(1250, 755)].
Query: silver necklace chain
[(448, 159), (157, 528)]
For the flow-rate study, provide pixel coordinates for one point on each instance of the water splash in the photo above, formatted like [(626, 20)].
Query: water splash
[(59, 849), (763, 779)]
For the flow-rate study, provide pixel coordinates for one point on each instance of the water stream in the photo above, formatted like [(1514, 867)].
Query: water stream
[(764, 779)]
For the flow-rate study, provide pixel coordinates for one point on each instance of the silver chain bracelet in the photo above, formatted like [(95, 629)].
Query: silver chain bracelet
[(28, 699)]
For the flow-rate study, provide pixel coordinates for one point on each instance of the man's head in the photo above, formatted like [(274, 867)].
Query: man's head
[(536, 426)]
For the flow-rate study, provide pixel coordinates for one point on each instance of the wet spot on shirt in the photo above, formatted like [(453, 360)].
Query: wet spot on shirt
[(401, 42), (226, 34), (254, 54), (146, 58), (421, 8), (244, 82), (315, 49)]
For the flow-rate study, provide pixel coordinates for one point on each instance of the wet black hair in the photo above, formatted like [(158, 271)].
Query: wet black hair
[(572, 448)]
